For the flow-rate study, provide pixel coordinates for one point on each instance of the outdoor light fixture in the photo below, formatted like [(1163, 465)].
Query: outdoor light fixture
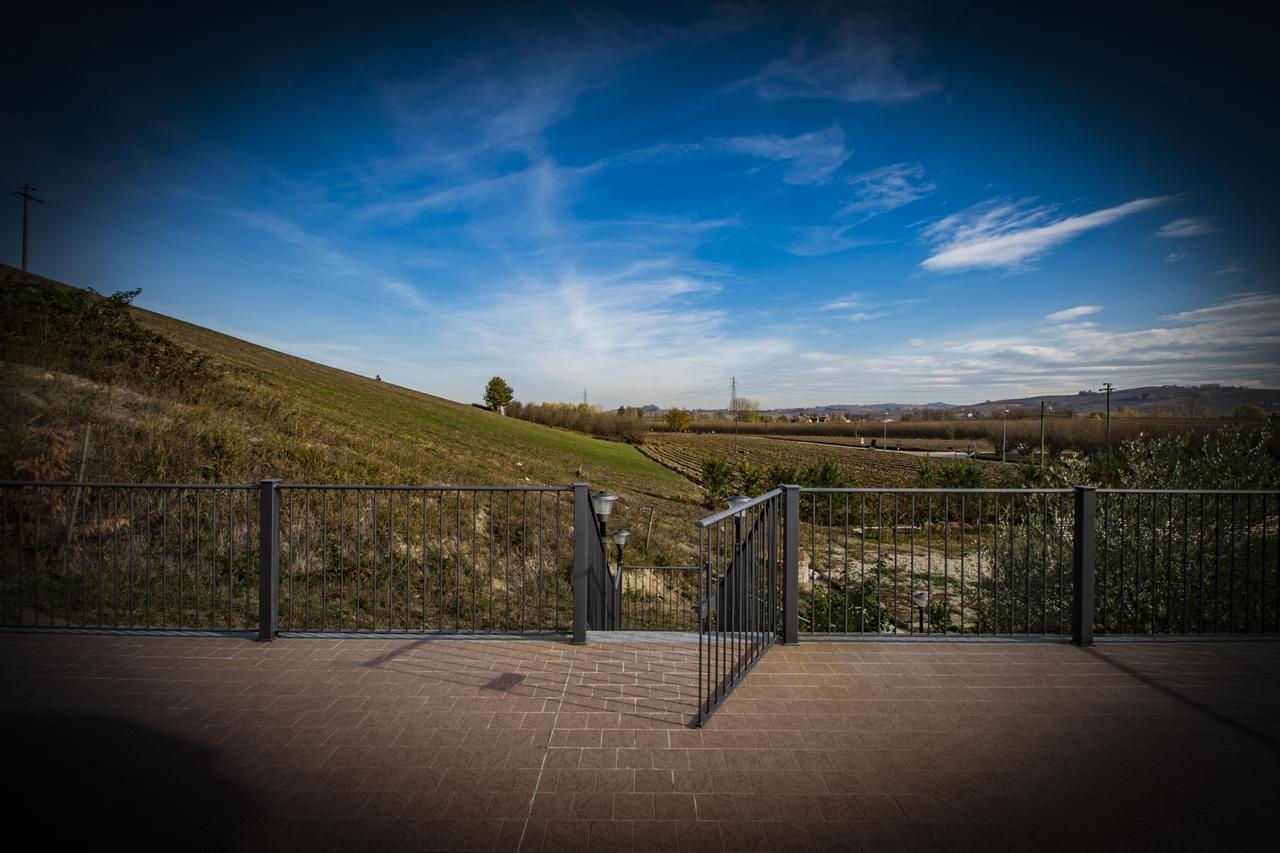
[(920, 600), (737, 500), (602, 503), (620, 537)]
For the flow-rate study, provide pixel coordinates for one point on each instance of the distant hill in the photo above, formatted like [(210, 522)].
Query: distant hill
[(1170, 400)]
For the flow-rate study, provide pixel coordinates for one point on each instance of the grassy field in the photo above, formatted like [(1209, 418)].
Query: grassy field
[(1079, 434), (686, 452)]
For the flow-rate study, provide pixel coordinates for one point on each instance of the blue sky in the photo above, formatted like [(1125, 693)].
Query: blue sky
[(836, 203)]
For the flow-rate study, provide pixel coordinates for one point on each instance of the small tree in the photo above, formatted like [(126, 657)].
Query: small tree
[(498, 393), (717, 476), (678, 420)]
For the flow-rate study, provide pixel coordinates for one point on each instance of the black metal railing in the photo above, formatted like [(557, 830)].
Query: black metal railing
[(1005, 561), (658, 598), (908, 561), (425, 558), (127, 555), (1187, 562), (740, 611)]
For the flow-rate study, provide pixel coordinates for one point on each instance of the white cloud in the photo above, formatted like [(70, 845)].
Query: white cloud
[(863, 316), (887, 188), (811, 158), (1229, 269), (1072, 313), (1174, 257), (1189, 227), (1235, 341), (862, 59), (1000, 234)]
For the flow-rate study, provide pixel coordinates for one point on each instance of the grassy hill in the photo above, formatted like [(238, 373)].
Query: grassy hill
[(164, 400)]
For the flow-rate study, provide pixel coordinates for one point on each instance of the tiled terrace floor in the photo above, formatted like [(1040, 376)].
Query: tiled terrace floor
[(537, 745)]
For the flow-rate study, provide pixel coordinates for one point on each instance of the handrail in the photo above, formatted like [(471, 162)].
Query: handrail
[(910, 491), (280, 485), (732, 511)]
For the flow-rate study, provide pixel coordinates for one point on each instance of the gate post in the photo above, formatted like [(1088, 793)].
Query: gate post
[(791, 564), (584, 527), (1086, 500), (268, 558)]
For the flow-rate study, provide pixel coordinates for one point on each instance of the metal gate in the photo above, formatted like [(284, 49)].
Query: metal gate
[(741, 610)]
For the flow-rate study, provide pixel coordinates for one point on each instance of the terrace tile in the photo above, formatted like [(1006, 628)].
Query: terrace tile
[(369, 744)]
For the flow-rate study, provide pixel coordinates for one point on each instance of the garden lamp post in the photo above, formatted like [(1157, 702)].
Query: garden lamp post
[(920, 600), (602, 503), (619, 538), (886, 427), (1004, 433)]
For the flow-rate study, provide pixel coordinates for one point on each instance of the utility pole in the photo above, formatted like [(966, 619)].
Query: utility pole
[(26, 191), (1042, 435), (1004, 433), (1107, 386), (584, 397)]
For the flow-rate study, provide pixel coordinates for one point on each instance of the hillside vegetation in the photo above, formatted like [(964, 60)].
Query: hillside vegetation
[(167, 401)]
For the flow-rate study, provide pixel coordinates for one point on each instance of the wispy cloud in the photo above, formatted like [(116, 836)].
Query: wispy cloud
[(1189, 227), (1229, 269), (1001, 234), (862, 59), (1069, 314), (826, 240), (618, 329), (1174, 257), (843, 303), (887, 188), (810, 158)]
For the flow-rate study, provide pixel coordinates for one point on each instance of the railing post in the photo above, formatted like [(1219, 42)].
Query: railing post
[(791, 564), (1086, 499), (584, 528), (268, 558)]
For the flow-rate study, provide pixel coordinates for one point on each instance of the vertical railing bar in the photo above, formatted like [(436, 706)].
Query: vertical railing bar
[(845, 575), (1044, 563), (862, 578), (1186, 530), (928, 552), (893, 532), (830, 552), (911, 567), (1248, 538), (964, 523), (1230, 574)]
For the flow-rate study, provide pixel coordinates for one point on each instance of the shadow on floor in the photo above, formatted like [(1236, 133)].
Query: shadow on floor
[(88, 781)]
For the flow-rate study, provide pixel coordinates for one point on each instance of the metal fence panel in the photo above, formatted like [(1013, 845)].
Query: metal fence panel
[(740, 611), (124, 555)]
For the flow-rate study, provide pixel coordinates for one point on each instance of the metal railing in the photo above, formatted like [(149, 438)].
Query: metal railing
[(1187, 562), (658, 598), (936, 561), (425, 558), (126, 555), (287, 557), (1008, 562), (741, 608)]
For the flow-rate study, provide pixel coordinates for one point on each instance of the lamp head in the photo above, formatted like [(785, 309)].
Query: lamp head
[(602, 503), (920, 599), (619, 537)]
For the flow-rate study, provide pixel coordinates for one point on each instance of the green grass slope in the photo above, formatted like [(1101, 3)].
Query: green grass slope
[(165, 400)]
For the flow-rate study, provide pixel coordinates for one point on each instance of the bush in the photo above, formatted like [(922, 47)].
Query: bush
[(717, 475)]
